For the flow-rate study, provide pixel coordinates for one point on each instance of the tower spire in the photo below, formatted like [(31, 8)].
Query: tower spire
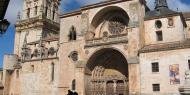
[(161, 4)]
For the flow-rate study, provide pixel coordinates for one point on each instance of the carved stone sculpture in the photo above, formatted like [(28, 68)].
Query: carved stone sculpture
[(51, 51), (185, 89), (74, 55), (116, 26), (89, 35)]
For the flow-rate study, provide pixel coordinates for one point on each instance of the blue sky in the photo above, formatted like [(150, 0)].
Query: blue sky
[(7, 39)]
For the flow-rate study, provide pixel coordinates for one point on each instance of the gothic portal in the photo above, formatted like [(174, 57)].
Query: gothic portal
[(107, 73)]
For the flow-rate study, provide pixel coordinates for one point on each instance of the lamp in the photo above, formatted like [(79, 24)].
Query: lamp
[(4, 24)]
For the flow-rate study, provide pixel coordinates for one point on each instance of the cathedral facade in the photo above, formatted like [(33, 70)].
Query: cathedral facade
[(115, 47)]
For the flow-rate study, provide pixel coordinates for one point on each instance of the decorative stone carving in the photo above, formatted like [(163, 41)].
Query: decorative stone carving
[(187, 77), (105, 36), (35, 53), (110, 40), (17, 66), (116, 26), (89, 35), (42, 50), (85, 21), (26, 54), (74, 55), (125, 46), (51, 51), (170, 22), (134, 15)]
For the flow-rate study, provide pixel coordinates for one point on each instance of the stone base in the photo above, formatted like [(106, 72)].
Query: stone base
[(184, 90)]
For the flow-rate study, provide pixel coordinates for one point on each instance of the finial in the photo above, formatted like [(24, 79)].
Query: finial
[(25, 40), (18, 15)]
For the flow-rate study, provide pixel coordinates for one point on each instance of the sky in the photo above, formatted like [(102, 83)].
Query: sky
[(7, 39)]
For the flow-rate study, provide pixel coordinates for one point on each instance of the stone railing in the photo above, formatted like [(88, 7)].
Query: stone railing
[(115, 39), (28, 20)]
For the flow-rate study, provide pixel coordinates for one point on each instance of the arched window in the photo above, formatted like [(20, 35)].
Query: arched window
[(28, 13), (46, 11), (17, 73), (52, 71), (53, 17), (72, 34), (73, 84), (32, 68), (74, 55), (36, 10)]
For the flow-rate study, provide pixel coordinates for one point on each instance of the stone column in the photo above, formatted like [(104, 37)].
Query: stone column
[(80, 77), (134, 76)]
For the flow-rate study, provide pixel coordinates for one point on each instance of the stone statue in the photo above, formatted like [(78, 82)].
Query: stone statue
[(185, 89)]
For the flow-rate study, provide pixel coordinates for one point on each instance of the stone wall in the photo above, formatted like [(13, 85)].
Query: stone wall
[(170, 33), (165, 59), (35, 78)]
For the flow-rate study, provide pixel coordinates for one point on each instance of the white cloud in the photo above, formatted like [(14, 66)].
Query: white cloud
[(14, 7), (65, 3), (86, 2), (173, 4)]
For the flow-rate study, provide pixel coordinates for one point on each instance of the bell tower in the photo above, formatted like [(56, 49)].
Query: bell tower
[(47, 8), (40, 19)]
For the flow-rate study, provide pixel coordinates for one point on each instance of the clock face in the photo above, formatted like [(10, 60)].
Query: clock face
[(116, 26)]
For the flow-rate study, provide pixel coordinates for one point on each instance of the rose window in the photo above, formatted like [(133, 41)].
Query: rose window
[(116, 26)]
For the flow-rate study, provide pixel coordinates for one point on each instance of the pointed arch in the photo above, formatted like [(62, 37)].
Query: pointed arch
[(52, 71), (74, 84), (72, 34)]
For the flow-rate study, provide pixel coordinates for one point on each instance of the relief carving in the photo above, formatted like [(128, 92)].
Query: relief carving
[(116, 26), (89, 35), (85, 22), (74, 55), (134, 14)]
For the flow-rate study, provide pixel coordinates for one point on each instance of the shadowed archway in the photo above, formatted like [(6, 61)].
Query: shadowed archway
[(107, 73), (106, 14)]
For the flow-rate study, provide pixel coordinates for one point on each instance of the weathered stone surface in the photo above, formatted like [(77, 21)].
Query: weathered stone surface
[(107, 54)]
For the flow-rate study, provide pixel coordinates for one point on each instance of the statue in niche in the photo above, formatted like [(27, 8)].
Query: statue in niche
[(134, 14), (51, 51), (35, 53), (42, 51)]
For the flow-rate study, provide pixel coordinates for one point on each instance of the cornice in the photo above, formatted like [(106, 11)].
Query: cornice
[(165, 46), (36, 22)]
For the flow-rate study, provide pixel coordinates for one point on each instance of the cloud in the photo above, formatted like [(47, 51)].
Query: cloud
[(14, 7), (176, 5), (86, 2), (68, 4), (81, 2)]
